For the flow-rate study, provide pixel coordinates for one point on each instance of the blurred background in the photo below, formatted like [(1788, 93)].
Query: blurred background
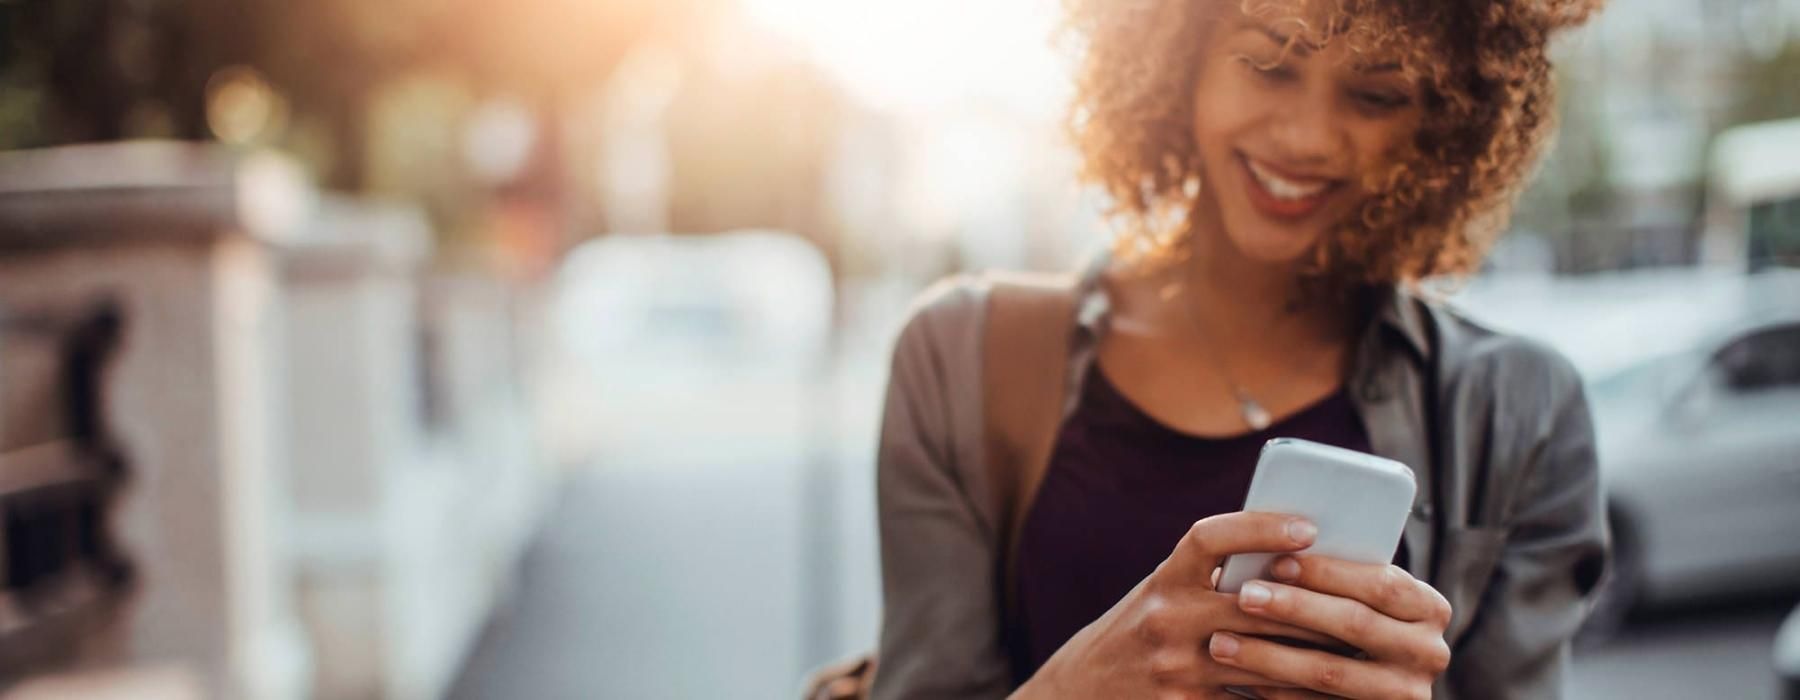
[(451, 348)]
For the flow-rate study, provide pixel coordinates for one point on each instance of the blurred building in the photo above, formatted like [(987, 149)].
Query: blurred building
[(1645, 90)]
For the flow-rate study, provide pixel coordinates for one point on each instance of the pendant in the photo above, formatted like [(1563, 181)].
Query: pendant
[(1254, 414)]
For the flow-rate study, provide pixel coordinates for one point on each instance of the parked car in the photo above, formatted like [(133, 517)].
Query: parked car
[(1702, 466), (1696, 401), (663, 336), (1787, 656)]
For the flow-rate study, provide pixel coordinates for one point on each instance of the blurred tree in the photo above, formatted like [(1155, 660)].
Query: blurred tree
[(21, 83), (751, 132), (112, 69), (751, 150), (98, 70), (1572, 195), (378, 97), (1768, 88)]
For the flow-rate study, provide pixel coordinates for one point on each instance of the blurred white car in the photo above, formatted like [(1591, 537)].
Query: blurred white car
[(1787, 656), (663, 337), (1694, 381), (1701, 456)]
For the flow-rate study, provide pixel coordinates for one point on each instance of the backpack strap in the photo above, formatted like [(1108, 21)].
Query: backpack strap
[(1025, 349)]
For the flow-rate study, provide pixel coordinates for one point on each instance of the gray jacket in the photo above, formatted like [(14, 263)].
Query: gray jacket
[(1508, 523)]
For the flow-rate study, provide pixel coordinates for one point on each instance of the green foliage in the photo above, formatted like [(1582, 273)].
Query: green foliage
[(1769, 89)]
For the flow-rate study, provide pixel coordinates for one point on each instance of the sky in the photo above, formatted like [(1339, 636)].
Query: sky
[(925, 55)]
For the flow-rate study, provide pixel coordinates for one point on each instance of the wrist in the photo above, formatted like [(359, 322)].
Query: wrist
[(1031, 690), (1037, 687), (1055, 680)]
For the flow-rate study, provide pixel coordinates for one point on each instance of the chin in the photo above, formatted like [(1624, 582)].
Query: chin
[(1262, 242)]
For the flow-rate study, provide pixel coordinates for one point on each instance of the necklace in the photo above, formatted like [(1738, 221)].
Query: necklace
[(1254, 414)]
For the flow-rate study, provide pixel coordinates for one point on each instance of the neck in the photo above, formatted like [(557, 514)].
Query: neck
[(1233, 294), (1251, 302)]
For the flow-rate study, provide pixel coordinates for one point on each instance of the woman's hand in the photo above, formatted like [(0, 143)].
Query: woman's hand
[(1152, 643), (1396, 620)]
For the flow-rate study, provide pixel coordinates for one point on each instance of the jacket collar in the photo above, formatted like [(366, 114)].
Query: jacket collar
[(1397, 309), (1393, 308)]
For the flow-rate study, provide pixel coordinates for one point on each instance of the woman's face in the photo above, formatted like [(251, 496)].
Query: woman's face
[(1285, 138)]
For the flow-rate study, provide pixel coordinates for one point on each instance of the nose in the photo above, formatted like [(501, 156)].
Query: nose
[(1307, 134)]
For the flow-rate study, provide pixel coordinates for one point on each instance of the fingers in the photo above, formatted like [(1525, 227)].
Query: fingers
[(1289, 694), (1212, 539), (1189, 665), (1386, 588), (1205, 673), (1184, 618), (1415, 645), (1245, 622), (1316, 670)]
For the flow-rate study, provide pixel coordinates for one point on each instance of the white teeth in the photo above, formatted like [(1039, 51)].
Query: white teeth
[(1284, 188)]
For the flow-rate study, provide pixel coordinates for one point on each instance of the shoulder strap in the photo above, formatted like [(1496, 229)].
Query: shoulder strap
[(1025, 347)]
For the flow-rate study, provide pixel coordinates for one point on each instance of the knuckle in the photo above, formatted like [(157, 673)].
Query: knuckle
[(1156, 624), (1361, 623), (1393, 587), (1418, 691), (1328, 678), (1437, 656), (1169, 663), (1441, 612), (1159, 582), (1199, 536)]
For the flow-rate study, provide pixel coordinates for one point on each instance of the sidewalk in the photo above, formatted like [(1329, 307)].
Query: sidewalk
[(653, 581)]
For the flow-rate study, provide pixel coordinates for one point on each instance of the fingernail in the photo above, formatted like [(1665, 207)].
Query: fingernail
[(1302, 531), (1286, 569), (1223, 646), (1254, 595)]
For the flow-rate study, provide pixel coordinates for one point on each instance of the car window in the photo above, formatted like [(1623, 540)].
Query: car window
[(1763, 360), (1774, 234)]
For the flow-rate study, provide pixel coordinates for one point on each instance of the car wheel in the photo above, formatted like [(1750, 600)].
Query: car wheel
[(1618, 592)]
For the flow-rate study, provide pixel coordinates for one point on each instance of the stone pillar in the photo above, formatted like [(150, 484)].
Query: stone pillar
[(356, 423), (179, 237), (415, 481)]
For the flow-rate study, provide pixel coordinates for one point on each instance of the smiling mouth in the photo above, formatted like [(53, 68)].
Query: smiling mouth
[(1284, 196)]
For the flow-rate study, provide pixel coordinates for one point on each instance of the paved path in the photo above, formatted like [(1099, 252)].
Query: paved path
[(653, 583), (1714, 652)]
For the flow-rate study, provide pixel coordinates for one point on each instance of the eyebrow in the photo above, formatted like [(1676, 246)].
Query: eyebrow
[(1387, 67), (1303, 48), (1299, 47)]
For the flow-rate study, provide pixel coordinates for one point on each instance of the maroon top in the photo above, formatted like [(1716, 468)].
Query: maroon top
[(1120, 491)]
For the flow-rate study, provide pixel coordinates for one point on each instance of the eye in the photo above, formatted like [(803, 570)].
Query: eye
[(1273, 69), (1381, 101)]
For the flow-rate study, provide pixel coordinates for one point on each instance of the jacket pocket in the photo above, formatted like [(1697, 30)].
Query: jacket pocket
[(1470, 555)]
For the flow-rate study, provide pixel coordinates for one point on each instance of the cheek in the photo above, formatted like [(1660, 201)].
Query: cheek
[(1222, 107), (1380, 146)]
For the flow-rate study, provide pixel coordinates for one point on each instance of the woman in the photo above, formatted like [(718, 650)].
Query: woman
[(1285, 172)]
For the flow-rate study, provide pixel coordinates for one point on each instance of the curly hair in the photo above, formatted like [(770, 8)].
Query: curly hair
[(1487, 112)]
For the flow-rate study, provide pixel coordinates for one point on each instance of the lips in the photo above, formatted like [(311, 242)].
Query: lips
[(1283, 195)]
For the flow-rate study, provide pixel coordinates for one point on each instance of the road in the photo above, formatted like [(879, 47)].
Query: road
[(651, 582), (1719, 651)]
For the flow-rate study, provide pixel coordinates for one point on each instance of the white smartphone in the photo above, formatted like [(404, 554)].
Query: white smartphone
[(1359, 502)]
